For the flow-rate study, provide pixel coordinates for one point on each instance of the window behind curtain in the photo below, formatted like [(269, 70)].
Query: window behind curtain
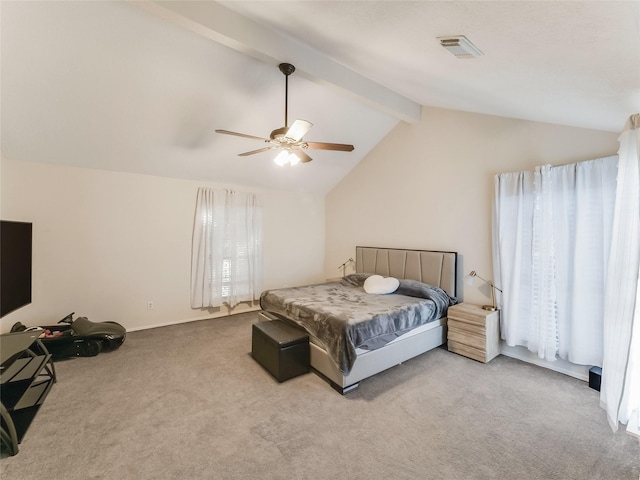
[(551, 241), (226, 263)]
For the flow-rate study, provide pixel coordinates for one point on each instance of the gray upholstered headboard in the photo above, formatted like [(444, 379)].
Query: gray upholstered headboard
[(427, 266)]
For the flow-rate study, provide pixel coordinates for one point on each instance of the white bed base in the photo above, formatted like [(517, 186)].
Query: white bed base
[(432, 267), (371, 362)]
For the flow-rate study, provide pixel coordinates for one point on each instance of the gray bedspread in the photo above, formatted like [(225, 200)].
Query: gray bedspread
[(343, 317)]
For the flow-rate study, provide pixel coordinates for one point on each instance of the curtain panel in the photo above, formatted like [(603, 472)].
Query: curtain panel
[(226, 261), (620, 388), (551, 240)]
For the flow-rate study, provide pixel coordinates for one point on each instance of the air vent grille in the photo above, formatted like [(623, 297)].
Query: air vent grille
[(460, 46)]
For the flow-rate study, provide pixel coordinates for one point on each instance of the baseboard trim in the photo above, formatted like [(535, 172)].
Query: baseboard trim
[(195, 319), (581, 372)]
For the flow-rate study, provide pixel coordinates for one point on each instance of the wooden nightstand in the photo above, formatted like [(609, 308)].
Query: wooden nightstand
[(473, 332)]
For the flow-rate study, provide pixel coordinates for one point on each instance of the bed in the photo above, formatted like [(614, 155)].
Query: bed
[(353, 334)]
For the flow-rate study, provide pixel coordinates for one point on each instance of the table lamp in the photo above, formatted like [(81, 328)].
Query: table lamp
[(492, 307)]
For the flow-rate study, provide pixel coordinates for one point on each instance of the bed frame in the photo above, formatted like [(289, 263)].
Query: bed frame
[(427, 266)]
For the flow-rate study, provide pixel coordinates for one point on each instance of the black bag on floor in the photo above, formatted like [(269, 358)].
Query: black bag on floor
[(80, 337)]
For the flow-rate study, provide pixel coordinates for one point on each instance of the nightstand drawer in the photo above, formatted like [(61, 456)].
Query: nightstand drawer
[(468, 313), (472, 328), (467, 338), (470, 352)]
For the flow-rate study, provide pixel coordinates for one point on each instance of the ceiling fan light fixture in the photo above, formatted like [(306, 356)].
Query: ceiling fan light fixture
[(293, 159), (282, 158), (460, 46), (286, 157)]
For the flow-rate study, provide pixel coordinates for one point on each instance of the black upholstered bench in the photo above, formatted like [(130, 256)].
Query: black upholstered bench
[(281, 348)]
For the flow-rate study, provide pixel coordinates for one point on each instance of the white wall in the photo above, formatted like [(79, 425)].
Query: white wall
[(430, 185), (106, 243)]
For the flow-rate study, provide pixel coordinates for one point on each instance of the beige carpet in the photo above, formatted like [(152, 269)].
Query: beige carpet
[(189, 402)]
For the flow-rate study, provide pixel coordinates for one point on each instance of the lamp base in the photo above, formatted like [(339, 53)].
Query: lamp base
[(490, 308)]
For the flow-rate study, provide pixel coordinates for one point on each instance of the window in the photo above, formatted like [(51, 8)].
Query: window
[(552, 235), (226, 264)]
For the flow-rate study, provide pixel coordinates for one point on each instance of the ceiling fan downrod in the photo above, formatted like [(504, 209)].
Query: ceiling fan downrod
[(287, 69)]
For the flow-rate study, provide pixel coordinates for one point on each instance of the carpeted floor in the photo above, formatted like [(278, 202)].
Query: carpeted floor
[(189, 402)]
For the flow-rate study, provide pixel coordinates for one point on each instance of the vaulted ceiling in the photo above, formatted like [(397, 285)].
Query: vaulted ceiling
[(141, 86)]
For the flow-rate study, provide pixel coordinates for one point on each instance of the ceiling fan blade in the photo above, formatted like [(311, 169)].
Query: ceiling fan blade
[(329, 146), (298, 130), (227, 132), (304, 158), (245, 154)]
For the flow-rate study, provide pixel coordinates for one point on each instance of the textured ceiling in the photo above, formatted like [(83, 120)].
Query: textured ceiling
[(572, 63), (140, 86)]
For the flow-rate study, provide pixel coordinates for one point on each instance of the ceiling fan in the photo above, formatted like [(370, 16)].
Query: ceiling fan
[(289, 140)]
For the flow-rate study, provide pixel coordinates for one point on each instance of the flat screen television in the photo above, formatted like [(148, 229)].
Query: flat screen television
[(15, 265)]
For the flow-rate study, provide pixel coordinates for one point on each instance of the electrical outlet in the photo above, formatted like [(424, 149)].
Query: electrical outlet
[(149, 305)]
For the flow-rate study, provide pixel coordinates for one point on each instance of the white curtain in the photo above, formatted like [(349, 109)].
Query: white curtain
[(226, 258), (551, 237), (543, 325), (620, 388)]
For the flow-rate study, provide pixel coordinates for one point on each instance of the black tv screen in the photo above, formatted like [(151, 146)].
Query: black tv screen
[(15, 265)]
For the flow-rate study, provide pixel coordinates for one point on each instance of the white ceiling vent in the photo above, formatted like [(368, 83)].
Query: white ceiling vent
[(460, 46)]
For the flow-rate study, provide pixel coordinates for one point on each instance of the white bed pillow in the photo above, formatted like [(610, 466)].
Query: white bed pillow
[(377, 284)]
